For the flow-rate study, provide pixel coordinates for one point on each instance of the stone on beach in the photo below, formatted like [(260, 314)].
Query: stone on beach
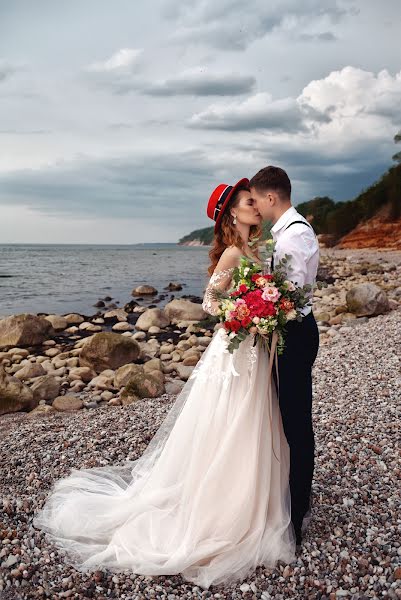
[(144, 290), (108, 351), (58, 323), (367, 299), (180, 309), (67, 403), (45, 388), (14, 395), (24, 330), (153, 317)]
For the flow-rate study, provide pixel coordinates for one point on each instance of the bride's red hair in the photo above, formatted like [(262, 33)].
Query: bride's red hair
[(227, 234)]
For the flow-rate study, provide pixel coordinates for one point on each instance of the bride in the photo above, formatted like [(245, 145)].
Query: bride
[(209, 498)]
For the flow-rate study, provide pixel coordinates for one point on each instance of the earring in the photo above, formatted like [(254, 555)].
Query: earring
[(235, 219)]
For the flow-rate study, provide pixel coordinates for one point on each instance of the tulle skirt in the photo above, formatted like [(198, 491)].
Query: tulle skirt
[(209, 498)]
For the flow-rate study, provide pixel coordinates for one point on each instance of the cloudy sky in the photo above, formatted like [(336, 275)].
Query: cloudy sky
[(117, 119)]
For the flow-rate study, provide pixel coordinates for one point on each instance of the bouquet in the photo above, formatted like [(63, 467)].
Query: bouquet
[(261, 302)]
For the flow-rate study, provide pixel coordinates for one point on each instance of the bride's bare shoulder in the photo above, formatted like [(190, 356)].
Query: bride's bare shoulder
[(229, 259)]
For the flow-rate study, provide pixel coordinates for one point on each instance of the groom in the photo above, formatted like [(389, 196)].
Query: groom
[(271, 192)]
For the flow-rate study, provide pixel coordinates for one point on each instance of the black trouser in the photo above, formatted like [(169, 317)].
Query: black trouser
[(295, 399)]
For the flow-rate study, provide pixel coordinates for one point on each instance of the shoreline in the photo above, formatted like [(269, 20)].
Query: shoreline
[(58, 362)]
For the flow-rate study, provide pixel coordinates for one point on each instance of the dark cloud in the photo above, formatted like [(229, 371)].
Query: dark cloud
[(259, 112), (157, 187), (201, 83)]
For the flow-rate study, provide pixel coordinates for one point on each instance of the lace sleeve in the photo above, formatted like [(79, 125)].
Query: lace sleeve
[(220, 281)]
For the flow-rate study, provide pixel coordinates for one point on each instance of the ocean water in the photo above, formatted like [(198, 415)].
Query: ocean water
[(59, 279)]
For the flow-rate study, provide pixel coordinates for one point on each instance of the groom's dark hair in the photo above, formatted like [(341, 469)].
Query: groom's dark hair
[(272, 178)]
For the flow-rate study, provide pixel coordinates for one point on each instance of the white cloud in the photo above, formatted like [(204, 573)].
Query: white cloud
[(126, 59)]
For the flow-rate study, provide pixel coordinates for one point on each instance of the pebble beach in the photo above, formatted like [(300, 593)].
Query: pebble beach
[(352, 546)]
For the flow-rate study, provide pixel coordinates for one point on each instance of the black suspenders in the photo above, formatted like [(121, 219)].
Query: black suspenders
[(304, 223)]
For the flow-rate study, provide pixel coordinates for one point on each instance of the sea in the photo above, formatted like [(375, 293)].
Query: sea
[(59, 279)]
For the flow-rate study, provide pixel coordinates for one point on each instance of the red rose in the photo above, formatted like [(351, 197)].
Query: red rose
[(235, 326), (243, 288), (245, 322), (256, 276)]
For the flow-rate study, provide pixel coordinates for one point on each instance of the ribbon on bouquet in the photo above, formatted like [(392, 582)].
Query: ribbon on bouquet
[(272, 357)]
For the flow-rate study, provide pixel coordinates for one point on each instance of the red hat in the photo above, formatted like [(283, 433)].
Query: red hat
[(220, 198)]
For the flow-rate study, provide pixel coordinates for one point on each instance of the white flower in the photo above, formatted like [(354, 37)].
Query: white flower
[(246, 270), (290, 285), (291, 315)]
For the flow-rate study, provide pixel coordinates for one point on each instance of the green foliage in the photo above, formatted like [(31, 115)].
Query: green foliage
[(318, 208), (203, 235)]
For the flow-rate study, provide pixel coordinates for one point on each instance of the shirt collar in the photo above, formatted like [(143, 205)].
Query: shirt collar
[(283, 220)]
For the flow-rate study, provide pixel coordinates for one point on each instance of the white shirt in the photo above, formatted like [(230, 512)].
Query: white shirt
[(301, 243)]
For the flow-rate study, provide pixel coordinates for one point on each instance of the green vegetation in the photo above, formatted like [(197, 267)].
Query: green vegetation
[(339, 218)]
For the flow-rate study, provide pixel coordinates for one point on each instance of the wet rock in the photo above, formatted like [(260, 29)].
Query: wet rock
[(144, 290), (180, 310), (14, 395), (24, 330), (153, 317), (108, 351)]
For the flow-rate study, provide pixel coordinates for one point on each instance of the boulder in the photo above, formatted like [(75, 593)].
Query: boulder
[(153, 317), (67, 403), (144, 290), (58, 323), (184, 310), (367, 299), (74, 319), (30, 370), (119, 313), (124, 374), (24, 330), (144, 385), (81, 374), (184, 371), (155, 364), (14, 395), (45, 388), (108, 351)]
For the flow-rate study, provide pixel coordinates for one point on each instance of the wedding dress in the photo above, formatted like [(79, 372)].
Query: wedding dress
[(209, 498)]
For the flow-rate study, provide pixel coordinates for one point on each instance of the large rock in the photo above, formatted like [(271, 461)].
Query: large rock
[(144, 290), (45, 388), (30, 370), (144, 385), (58, 323), (108, 351), (14, 395), (124, 374), (67, 403), (153, 317), (184, 310), (367, 299), (24, 330)]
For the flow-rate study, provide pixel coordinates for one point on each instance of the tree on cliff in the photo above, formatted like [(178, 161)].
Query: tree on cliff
[(397, 139)]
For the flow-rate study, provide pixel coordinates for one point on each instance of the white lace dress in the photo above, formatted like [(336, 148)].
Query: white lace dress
[(209, 498)]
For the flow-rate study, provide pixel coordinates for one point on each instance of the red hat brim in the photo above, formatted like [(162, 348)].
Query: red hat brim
[(241, 182)]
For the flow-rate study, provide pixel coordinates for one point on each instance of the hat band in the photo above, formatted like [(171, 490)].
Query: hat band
[(221, 201)]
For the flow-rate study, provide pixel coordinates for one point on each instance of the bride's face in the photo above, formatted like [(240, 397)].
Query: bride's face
[(245, 209)]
